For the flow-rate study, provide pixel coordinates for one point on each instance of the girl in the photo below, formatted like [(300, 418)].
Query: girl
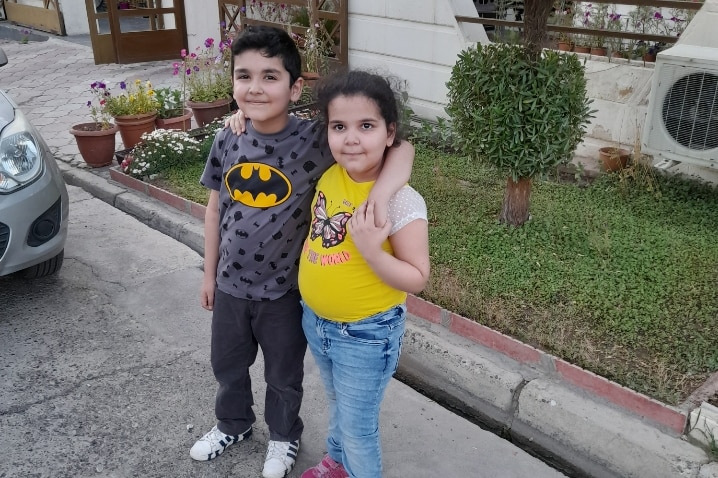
[(353, 275)]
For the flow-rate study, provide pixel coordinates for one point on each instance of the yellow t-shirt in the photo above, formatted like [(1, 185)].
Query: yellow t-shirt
[(334, 279)]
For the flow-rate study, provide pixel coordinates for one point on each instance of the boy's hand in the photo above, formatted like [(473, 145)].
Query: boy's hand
[(381, 207), (367, 236), (237, 123), (206, 294)]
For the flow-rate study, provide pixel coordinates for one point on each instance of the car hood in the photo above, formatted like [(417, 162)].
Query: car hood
[(7, 110)]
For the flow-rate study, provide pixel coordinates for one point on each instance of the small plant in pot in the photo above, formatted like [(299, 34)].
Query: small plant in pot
[(96, 139), (134, 110), (206, 80), (171, 113)]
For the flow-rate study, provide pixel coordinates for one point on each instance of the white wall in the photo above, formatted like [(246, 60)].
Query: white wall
[(415, 40), (202, 21), (74, 15), (419, 40)]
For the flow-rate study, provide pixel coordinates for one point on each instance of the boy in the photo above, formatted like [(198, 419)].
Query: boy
[(262, 184)]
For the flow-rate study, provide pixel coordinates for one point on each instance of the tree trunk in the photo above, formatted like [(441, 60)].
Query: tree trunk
[(515, 210), (536, 13)]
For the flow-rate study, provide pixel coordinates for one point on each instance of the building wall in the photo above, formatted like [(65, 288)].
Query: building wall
[(419, 40), (202, 21), (74, 14)]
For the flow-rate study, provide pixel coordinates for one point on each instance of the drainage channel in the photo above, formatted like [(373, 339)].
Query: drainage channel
[(489, 424)]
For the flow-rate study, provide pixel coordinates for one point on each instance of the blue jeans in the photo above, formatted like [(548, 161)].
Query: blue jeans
[(356, 361)]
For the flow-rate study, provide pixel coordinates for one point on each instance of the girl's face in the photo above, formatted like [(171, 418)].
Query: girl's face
[(358, 136)]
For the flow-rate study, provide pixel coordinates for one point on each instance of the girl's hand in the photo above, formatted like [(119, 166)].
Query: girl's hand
[(237, 123), (366, 235)]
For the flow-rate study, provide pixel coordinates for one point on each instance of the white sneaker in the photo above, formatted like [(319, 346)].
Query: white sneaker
[(281, 456), (214, 442)]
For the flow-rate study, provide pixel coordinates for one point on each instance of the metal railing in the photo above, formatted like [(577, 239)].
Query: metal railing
[(594, 32)]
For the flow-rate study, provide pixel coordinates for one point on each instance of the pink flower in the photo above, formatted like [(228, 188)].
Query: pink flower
[(183, 53), (209, 42)]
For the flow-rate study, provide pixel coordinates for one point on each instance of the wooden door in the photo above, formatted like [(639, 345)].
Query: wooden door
[(136, 30)]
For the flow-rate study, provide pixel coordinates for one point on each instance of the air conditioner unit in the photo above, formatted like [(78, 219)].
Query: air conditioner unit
[(682, 121)]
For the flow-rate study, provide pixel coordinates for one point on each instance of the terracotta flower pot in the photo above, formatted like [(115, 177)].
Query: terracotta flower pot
[(649, 57), (613, 159), (97, 146), (311, 78), (565, 46), (133, 126), (599, 51), (206, 112), (581, 49), (182, 123)]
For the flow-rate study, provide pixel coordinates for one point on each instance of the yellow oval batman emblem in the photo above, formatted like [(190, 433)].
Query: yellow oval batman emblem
[(257, 185)]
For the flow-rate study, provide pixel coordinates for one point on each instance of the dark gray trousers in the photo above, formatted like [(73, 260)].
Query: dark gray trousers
[(239, 327)]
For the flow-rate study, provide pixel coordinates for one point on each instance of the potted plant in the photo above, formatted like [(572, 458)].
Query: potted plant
[(206, 80), (521, 109), (565, 42), (564, 14), (171, 113), (96, 140), (613, 158), (134, 111), (315, 44)]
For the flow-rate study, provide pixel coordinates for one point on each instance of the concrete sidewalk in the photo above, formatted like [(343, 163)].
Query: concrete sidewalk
[(549, 406)]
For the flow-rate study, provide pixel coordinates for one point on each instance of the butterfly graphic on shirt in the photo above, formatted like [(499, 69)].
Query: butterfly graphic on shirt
[(332, 229)]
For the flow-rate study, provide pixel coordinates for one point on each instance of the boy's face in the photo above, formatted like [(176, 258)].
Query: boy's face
[(261, 89)]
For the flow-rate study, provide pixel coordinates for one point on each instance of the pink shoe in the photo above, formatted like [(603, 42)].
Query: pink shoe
[(327, 468)]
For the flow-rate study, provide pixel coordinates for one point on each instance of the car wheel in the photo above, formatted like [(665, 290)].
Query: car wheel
[(43, 269)]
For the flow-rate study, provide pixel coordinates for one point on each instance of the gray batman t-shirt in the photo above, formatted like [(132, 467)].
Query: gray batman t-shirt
[(266, 184)]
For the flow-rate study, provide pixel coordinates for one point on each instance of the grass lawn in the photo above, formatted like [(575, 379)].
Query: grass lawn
[(612, 278)]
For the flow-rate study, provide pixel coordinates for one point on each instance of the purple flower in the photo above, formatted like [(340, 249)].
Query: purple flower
[(209, 42), (196, 68), (93, 85), (243, 9), (123, 85), (222, 24), (101, 85), (658, 16), (89, 103), (189, 71)]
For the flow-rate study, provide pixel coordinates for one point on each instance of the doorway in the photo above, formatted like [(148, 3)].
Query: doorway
[(133, 31)]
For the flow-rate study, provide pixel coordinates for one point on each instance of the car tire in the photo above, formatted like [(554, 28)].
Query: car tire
[(43, 269)]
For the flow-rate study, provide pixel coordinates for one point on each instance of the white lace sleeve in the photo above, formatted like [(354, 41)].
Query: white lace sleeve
[(405, 206)]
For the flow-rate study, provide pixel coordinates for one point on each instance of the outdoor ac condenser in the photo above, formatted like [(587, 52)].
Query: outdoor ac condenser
[(682, 121)]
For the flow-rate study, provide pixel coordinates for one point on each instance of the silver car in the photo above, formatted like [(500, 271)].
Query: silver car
[(33, 198)]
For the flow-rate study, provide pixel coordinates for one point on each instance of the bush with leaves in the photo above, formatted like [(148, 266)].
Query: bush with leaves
[(521, 112)]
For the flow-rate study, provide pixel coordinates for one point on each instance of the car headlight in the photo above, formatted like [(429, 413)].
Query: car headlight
[(20, 156)]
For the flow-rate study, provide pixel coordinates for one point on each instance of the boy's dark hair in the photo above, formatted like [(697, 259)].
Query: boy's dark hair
[(270, 42), (376, 87)]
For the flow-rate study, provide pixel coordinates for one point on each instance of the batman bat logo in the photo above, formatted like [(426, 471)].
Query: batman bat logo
[(257, 185)]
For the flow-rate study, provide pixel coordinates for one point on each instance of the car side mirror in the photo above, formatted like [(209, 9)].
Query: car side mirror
[(3, 58)]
